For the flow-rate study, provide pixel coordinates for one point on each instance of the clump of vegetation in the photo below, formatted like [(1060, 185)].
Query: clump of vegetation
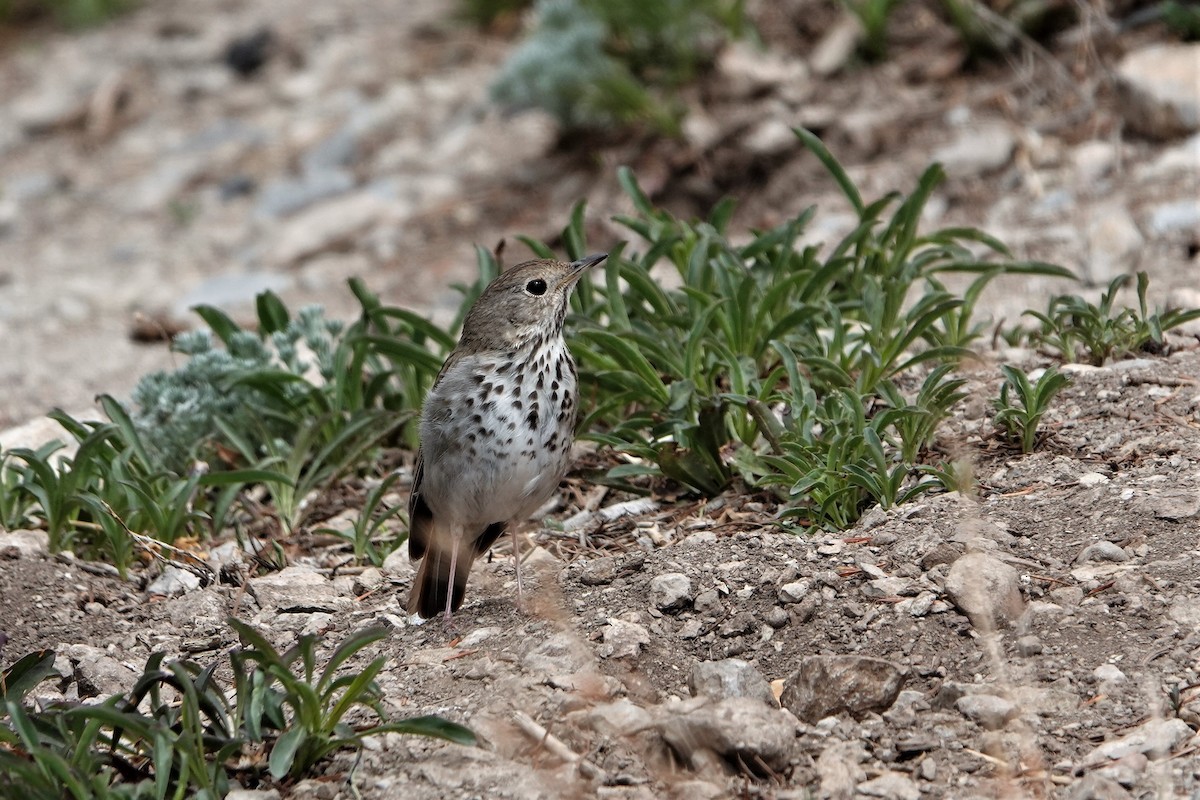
[(1022, 403), (486, 12), (1183, 19), (984, 28), (596, 63), (1076, 329), (821, 375), (179, 732), (73, 13)]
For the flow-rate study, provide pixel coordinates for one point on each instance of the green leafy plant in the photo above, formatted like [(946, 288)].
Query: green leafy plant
[(987, 29), (324, 450), (594, 63), (485, 12), (1106, 330), (72, 13), (310, 709), (17, 501), (1022, 403), (874, 16), (178, 732), (372, 543), (769, 352), (1183, 19), (109, 490)]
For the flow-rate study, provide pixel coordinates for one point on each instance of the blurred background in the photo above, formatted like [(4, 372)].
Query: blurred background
[(156, 154)]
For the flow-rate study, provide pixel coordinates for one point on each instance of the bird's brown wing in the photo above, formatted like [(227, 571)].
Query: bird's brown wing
[(420, 518)]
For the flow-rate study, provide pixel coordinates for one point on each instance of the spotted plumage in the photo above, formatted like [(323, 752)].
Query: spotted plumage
[(509, 391)]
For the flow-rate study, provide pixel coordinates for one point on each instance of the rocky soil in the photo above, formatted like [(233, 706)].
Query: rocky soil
[(1037, 639)]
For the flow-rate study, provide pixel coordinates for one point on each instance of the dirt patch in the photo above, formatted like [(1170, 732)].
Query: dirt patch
[(1099, 529)]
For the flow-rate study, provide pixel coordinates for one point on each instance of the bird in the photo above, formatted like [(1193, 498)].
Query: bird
[(495, 430)]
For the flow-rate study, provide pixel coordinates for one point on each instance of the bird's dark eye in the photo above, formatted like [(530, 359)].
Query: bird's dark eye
[(537, 286)]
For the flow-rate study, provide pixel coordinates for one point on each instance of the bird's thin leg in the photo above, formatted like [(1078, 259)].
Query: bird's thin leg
[(455, 539), (516, 548)]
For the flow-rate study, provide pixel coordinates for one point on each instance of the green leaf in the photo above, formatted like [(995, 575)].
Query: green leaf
[(273, 315), (283, 752), (432, 726), (218, 321), (26, 673)]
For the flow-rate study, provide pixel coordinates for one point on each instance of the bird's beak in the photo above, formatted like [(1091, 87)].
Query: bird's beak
[(578, 267)]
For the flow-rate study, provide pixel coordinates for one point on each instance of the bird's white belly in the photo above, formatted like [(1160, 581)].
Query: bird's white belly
[(503, 454)]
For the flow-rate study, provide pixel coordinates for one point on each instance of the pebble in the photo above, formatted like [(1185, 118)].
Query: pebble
[(1181, 215), (623, 639), (739, 729), (369, 580), (598, 571), (1090, 480), (776, 617), (1110, 674), (709, 603), (770, 137), (730, 677), (986, 710), (825, 685), (1093, 161), (1155, 738), (326, 225), (739, 624), (1096, 787), (287, 196), (619, 718), (836, 47), (295, 590), (97, 674), (1029, 646), (751, 71), (1102, 551), (891, 785), (985, 589), (978, 149), (1156, 89), (794, 592), (173, 582), (671, 592), (24, 544), (252, 794), (232, 289), (697, 790)]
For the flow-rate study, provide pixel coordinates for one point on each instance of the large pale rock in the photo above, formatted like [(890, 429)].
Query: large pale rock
[(1156, 738), (987, 710), (671, 592), (297, 590), (1159, 89), (729, 677), (740, 730), (327, 226), (24, 544), (623, 639), (96, 673), (985, 589), (618, 718), (979, 149), (826, 685), (1114, 245)]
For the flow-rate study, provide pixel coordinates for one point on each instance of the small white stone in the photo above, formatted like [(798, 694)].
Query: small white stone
[(1109, 673)]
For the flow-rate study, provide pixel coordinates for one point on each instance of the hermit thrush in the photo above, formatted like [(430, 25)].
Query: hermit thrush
[(496, 428)]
